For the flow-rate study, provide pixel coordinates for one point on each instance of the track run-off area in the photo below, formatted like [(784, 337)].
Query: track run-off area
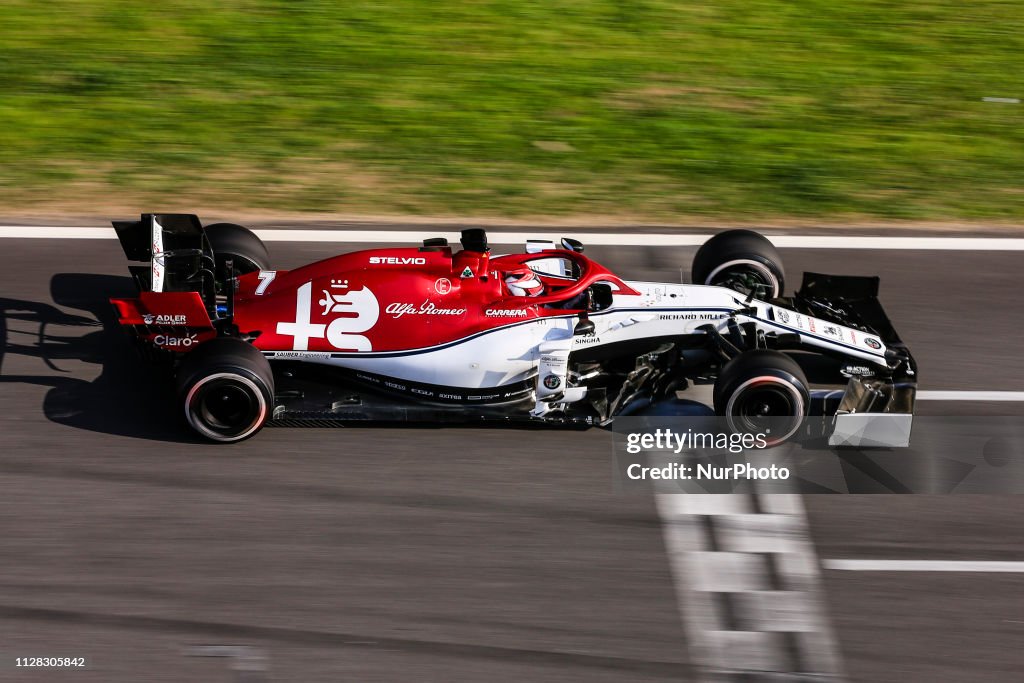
[(462, 554)]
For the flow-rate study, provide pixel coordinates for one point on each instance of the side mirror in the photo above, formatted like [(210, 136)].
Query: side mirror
[(572, 245), (584, 327)]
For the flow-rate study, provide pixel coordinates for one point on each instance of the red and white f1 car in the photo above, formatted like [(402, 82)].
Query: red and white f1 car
[(434, 334)]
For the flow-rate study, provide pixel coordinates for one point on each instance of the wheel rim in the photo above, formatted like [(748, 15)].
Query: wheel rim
[(768, 405), (225, 407), (746, 276)]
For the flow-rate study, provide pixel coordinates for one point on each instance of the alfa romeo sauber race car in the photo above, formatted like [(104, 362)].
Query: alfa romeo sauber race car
[(436, 334)]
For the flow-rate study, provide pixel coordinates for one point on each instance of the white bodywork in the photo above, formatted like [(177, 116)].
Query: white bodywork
[(541, 347)]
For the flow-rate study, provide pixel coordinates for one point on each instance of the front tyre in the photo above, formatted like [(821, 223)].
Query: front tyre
[(763, 392), (226, 388), (742, 260)]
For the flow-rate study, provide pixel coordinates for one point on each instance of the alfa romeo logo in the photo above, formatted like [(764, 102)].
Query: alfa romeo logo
[(360, 311), (552, 381)]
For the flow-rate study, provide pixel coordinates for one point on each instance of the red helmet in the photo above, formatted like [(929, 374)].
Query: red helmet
[(524, 282)]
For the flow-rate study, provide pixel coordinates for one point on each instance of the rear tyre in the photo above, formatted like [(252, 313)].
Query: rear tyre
[(226, 388), (742, 260), (763, 392), (241, 245)]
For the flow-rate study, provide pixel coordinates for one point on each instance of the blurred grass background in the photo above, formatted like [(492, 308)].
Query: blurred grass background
[(642, 109)]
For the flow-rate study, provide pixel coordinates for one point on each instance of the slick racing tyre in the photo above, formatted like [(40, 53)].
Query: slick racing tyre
[(763, 392), (742, 260), (241, 245), (226, 388)]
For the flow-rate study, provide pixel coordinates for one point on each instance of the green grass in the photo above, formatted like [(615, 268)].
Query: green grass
[(653, 109)]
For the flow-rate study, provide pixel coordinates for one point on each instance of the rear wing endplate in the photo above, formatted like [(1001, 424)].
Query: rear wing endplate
[(176, 248)]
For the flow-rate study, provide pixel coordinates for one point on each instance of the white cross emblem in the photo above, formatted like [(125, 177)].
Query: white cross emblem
[(302, 330)]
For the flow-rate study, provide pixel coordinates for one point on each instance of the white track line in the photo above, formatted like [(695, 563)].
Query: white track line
[(51, 233), (923, 566), (970, 396), (887, 243), (633, 239)]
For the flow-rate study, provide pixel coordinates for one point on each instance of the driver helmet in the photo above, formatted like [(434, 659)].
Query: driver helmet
[(524, 282)]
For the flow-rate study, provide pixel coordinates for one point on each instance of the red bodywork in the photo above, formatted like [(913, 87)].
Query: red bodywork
[(175, 321), (376, 300), (398, 299)]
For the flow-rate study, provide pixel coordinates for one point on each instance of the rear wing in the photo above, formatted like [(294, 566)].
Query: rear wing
[(179, 256), (177, 300)]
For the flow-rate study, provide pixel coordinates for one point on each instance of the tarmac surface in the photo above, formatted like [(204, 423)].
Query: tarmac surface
[(449, 554)]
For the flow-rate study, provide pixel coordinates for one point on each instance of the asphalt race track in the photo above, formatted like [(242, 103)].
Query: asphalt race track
[(456, 554)]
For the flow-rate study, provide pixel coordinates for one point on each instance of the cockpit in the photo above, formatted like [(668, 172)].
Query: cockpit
[(546, 275)]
